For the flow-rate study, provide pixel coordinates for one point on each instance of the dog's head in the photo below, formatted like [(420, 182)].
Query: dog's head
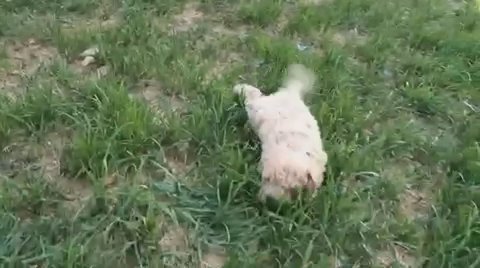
[(272, 189)]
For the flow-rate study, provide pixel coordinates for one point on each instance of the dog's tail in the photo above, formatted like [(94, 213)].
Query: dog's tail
[(299, 79)]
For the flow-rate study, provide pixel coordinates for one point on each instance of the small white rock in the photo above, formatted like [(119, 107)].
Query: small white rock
[(302, 47), (93, 51), (88, 60)]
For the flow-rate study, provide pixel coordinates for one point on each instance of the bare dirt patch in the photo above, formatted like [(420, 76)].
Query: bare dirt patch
[(82, 25), (151, 91), (177, 243), (106, 17), (219, 30), (397, 255), (175, 240), (214, 258), (416, 197), (415, 203), (24, 59), (349, 37), (177, 247), (75, 191), (224, 62), (43, 158), (281, 22), (179, 159), (188, 18), (225, 59), (176, 165)]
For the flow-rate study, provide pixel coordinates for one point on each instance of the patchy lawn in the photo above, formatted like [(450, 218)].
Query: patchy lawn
[(123, 146)]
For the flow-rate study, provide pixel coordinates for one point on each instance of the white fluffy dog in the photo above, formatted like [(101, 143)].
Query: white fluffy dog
[(292, 158)]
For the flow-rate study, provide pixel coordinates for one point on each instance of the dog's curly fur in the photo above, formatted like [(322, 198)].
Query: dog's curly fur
[(293, 157)]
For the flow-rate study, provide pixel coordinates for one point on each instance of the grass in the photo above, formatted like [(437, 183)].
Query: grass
[(151, 162)]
